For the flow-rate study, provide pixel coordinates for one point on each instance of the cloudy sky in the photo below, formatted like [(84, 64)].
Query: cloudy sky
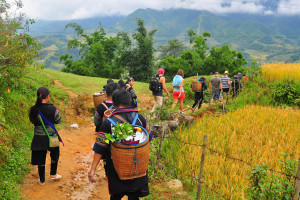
[(77, 9)]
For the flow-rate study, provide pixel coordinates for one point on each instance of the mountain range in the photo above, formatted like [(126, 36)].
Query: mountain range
[(267, 38)]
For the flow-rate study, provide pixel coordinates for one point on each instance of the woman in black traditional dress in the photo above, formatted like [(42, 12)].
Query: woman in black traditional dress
[(133, 188), (40, 141)]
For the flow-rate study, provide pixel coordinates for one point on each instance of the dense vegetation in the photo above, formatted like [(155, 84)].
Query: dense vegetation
[(112, 56), (109, 57), (200, 58)]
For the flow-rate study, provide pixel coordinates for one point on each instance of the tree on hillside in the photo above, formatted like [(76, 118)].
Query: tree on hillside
[(141, 58), (97, 53), (173, 49), (200, 59), (124, 53), (223, 58), (192, 60)]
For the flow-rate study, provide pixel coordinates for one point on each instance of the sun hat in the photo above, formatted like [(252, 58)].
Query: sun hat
[(226, 72)]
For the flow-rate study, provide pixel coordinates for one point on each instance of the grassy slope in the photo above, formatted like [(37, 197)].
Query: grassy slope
[(88, 85), (17, 132)]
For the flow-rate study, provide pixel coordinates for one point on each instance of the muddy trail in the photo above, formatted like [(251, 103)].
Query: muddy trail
[(74, 162)]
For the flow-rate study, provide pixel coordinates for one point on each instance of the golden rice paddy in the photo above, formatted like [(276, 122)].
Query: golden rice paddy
[(281, 71), (254, 134)]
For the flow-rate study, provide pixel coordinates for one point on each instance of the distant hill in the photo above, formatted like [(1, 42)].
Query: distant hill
[(46, 27), (267, 38)]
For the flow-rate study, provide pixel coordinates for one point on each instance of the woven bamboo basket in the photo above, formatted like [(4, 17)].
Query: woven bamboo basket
[(98, 98), (196, 86), (131, 161)]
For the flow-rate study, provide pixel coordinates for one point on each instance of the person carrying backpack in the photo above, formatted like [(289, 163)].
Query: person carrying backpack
[(178, 92), (199, 95), (157, 86), (236, 86), (105, 105), (133, 188), (129, 88)]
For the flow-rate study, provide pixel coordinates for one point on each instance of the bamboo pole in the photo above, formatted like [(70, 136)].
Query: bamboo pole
[(201, 167)]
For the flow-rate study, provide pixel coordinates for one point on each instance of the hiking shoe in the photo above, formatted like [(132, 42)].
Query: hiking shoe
[(57, 177), (182, 112), (41, 183)]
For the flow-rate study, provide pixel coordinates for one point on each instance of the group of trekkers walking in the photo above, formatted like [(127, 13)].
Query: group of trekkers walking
[(121, 101), (224, 85), (217, 87)]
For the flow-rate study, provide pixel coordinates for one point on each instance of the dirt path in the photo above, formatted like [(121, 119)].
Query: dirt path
[(74, 163)]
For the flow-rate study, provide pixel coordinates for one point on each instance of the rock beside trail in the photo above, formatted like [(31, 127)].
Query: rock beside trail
[(185, 119), (170, 125), (74, 125), (175, 184)]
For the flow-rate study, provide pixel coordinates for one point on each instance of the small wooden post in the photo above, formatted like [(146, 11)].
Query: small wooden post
[(161, 140), (201, 167), (297, 184)]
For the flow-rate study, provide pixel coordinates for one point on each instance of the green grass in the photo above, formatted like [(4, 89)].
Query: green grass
[(89, 85)]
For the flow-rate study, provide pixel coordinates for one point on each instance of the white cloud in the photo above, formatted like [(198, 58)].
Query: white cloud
[(268, 12), (75, 9), (289, 7)]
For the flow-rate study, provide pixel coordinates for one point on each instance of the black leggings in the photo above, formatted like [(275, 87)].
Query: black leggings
[(200, 103), (198, 99), (131, 196), (39, 158)]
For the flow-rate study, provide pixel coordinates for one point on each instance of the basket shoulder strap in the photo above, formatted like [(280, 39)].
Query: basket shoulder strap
[(135, 119), (112, 121), (105, 105), (121, 118), (117, 116)]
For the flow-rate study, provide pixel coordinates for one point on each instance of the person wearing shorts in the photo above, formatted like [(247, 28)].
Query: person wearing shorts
[(216, 86), (178, 93), (158, 96)]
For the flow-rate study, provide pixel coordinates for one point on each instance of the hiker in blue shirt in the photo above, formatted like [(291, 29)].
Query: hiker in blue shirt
[(178, 92)]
